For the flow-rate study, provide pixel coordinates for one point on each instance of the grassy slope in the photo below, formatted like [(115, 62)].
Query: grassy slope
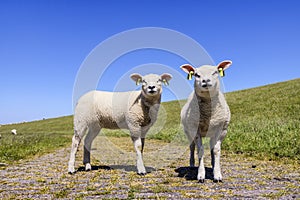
[(34, 138), (265, 122)]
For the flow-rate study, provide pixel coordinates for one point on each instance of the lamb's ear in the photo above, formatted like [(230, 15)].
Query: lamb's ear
[(223, 66), (137, 78), (189, 69), (166, 78)]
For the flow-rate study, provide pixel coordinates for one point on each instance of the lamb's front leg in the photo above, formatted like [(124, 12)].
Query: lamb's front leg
[(201, 169), (75, 143), (137, 142), (216, 154)]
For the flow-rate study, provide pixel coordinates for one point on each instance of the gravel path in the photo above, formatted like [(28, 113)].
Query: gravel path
[(114, 176)]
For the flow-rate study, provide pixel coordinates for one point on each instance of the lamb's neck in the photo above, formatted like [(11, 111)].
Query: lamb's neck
[(207, 100), (150, 107), (207, 96), (150, 101)]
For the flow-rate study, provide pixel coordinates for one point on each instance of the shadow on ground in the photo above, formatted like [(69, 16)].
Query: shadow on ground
[(131, 168), (127, 168), (190, 173), (95, 168)]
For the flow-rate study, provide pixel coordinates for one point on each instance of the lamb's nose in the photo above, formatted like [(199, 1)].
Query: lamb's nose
[(205, 80), (151, 87)]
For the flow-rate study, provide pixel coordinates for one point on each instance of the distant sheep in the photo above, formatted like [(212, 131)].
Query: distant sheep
[(14, 132), (206, 114), (134, 110)]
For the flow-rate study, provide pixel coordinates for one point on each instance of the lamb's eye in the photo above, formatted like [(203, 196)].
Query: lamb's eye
[(215, 73), (144, 82), (159, 81), (197, 75)]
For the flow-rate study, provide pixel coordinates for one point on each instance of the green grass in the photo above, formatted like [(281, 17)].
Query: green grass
[(265, 123), (34, 138)]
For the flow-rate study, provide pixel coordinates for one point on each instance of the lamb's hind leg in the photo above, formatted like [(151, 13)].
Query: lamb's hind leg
[(212, 145), (92, 133), (192, 154), (75, 144), (192, 139), (143, 144)]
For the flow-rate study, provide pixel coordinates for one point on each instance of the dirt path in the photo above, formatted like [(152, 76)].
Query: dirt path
[(115, 176)]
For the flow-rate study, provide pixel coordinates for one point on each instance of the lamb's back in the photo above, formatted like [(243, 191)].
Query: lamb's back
[(109, 109)]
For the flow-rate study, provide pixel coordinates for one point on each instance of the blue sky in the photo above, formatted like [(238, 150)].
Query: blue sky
[(43, 44)]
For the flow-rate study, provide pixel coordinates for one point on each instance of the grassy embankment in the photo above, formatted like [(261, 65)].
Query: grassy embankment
[(265, 123)]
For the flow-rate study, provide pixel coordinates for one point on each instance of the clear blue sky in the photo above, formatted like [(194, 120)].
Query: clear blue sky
[(43, 43)]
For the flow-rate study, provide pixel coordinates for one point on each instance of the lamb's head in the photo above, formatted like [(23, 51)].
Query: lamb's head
[(206, 77), (151, 83)]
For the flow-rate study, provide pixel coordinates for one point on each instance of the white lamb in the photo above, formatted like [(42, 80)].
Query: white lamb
[(134, 110), (14, 132), (206, 114)]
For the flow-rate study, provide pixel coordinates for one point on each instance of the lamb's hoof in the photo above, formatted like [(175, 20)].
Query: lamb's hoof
[(71, 170), (142, 174), (201, 181), (88, 167), (218, 181)]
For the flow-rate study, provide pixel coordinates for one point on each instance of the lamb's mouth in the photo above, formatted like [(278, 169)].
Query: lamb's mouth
[(206, 85), (151, 91)]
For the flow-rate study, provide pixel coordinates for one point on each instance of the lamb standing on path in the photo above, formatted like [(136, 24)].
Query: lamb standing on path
[(206, 114), (134, 110)]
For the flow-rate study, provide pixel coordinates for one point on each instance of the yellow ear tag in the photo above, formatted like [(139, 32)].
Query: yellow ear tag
[(221, 72), (165, 82), (189, 77), (138, 81)]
